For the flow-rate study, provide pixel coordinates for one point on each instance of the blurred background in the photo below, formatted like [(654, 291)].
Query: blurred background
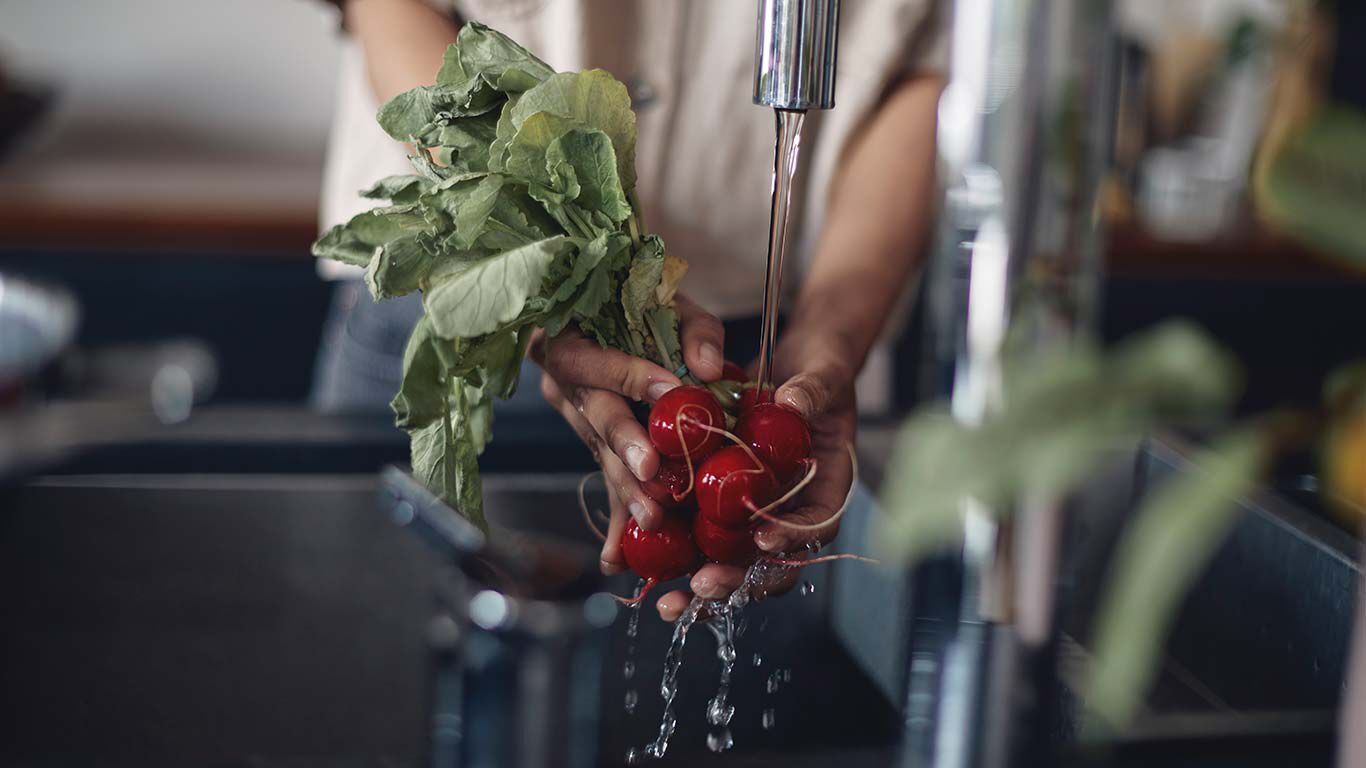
[(163, 162)]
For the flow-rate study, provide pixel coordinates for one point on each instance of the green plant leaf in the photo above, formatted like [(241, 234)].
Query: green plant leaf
[(489, 54), (355, 241), (473, 298), (1173, 535), (401, 190), (638, 292), (397, 268), (592, 99), (594, 162), (421, 398), (464, 142)]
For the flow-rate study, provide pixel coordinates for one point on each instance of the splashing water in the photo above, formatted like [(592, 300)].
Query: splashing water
[(631, 699), (806, 589), (633, 756), (720, 620), (720, 742), (769, 719), (758, 660), (628, 670)]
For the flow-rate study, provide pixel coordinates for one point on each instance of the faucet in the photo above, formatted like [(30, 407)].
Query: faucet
[(794, 54)]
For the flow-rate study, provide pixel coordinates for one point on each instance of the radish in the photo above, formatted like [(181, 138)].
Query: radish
[(752, 396), (659, 555), (730, 546), (679, 421), (731, 484), (779, 436), (671, 486)]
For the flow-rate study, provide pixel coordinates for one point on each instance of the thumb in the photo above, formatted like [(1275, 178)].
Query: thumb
[(812, 392)]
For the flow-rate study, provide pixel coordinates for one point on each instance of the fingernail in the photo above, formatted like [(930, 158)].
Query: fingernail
[(767, 541), (635, 459), (637, 511), (701, 585), (711, 356), (658, 389), (798, 400), (608, 567)]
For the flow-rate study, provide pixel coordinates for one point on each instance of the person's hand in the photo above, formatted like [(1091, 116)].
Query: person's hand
[(818, 381), (589, 384)]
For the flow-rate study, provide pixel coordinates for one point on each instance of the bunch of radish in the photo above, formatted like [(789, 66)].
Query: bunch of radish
[(721, 474)]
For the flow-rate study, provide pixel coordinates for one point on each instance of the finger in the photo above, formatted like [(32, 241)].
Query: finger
[(703, 339), (619, 479), (672, 605), (817, 503), (610, 416), (574, 361), (812, 392), (612, 560), (714, 581)]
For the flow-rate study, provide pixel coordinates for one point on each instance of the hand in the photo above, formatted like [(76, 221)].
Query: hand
[(588, 384), (818, 381)]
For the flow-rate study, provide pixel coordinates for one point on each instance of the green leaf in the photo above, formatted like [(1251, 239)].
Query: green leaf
[(590, 155), (593, 100), (1172, 538), (397, 268), (474, 298), (473, 214), (400, 189), (422, 110), (452, 72), (494, 56), (465, 142), (526, 153), (421, 398), (1064, 410), (355, 241), (638, 292)]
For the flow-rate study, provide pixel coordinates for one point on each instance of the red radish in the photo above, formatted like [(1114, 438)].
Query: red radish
[(678, 421), (733, 372), (659, 555), (729, 546), (731, 484), (671, 486), (752, 396), (779, 436)]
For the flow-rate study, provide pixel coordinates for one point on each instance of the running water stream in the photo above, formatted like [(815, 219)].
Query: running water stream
[(723, 615)]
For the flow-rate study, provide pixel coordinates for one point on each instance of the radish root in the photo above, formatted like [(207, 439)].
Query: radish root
[(848, 497), (731, 436), (797, 563), (762, 512), (583, 506), (644, 588)]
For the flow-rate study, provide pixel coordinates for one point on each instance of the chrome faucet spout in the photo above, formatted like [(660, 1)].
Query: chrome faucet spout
[(794, 54)]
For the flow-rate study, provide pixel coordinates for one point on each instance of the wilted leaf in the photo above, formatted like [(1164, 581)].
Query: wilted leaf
[(474, 298)]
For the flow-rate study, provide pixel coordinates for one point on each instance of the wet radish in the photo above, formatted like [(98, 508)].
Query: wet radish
[(659, 555), (678, 423), (671, 486), (752, 396), (731, 484), (729, 546), (779, 436)]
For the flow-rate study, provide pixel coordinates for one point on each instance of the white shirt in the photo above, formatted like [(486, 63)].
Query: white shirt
[(705, 152)]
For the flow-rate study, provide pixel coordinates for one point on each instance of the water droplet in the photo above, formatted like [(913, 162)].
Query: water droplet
[(758, 660), (719, 712), (769, 719), (787, 675), (720, 742), (631, 699), (772, 684), (633, 756), (813, 546), (726, 653), (807, 588), (629, 670)]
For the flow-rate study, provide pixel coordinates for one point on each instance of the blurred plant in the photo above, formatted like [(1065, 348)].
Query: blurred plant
[(1063, 412)]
